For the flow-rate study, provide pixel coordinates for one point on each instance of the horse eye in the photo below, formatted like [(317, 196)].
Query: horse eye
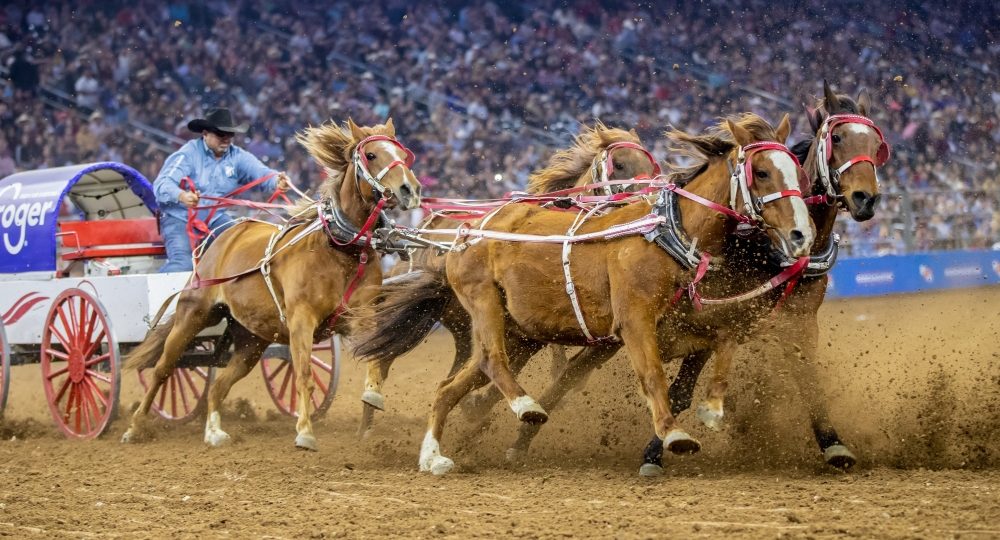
[(369, 156), (619, 167), (836, 139), (760, 174)]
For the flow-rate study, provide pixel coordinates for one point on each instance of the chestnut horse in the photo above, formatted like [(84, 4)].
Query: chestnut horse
[(841, 159), (599, 154), (312, 265), (621, 290), (845, 181)]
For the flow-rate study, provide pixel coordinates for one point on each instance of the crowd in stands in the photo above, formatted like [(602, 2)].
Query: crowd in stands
[(484, 92)]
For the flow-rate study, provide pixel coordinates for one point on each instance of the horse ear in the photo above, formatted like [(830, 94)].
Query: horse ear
[(864, 102), (832, 102), (815, 118), (784, 128), (356, 132), (390, 128), (634, 133), (741, 135)]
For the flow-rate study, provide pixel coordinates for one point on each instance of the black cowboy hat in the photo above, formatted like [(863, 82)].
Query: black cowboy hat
[(217, 119)]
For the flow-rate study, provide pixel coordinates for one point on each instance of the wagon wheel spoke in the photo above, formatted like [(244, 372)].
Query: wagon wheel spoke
[(97, 360), (92, 345), (281, 365), (64, 341), (98, 376), (58, 354), (86, 402), (319, 383), (105, 401), (58, 372), (62, 390), (289, 376)]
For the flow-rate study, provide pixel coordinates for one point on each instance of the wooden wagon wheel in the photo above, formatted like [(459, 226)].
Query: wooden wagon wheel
[(184, 395), (279, 378), (80, 365), (4, 368)]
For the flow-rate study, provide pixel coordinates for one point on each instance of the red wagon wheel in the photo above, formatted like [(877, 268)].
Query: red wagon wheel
[(4, 368), (80, 365), (183, 395), (280, 379)]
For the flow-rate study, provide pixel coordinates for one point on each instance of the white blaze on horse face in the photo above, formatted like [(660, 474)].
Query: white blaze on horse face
[(790, 174), (398, 154), (860, 129)]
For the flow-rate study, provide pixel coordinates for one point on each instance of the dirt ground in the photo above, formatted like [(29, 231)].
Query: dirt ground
[(913, 384)]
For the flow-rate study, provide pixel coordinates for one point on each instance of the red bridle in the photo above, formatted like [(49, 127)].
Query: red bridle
[(602, 173), (361, 162), (831, 179), (742, 179)]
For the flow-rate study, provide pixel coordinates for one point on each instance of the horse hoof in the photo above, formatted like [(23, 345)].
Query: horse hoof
[(374, 399), (128, 437), (840, 457), (711, 418), (650, 470), (679, 442), (515, 456), (529, 411), (306, 442), (440, 465), (217, 438)]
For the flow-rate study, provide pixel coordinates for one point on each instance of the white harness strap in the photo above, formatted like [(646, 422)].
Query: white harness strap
[(570, 287), (270, 253)]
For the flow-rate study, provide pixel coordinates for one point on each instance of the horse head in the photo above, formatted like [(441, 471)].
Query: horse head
[(599, 154), (363, 165), (767, 183), (621, 156), (848, 148)]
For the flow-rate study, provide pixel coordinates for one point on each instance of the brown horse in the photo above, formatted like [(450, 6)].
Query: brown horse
[(312, 266), (847, 179), (622, 288), (599, 154), (841, 159)]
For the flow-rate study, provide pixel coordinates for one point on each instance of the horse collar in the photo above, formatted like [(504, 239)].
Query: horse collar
[(670, 235)]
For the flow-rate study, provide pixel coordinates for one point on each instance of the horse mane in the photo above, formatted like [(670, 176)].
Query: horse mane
[(566, 166), (714, 143), (331, 145)]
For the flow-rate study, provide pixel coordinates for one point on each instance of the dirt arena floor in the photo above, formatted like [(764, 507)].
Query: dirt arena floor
[(913, 384)]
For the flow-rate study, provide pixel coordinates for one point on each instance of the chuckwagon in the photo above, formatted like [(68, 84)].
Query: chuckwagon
[(79, 289)]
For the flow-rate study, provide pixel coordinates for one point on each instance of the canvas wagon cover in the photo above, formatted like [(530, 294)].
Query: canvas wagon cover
[(30, 203)]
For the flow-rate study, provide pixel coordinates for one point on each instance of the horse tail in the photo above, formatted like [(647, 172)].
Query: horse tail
[(149, 351), (405, 311)]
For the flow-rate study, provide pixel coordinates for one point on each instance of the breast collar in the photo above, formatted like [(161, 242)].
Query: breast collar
[(674, 240)]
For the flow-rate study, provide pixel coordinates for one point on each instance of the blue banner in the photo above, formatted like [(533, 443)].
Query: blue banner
[(913, 273)]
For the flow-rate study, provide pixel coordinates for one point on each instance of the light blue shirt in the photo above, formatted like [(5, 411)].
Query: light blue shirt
[(212, 177)]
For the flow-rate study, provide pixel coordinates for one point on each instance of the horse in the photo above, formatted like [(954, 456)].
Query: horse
[(289, 285), (621, 288), (599, 154), (843, 139), (841, 159)]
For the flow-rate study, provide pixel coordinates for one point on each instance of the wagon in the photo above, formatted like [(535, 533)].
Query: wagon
[(79, 288)]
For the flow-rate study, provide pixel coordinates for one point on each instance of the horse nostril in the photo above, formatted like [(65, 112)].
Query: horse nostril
[(860, 199), (405, 190), (797, 237)]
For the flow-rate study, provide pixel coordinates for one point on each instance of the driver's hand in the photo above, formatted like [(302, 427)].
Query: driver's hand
[(283, 182), (189, 198)]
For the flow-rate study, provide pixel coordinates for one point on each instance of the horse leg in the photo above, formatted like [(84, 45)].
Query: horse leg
[(246, 352), (449, 392), (519, 352), (802, 355), (189, 319), (710, 411), (372, 398), (573, 374), (638, 333), (681, 392), (559, 361), (301, 328)]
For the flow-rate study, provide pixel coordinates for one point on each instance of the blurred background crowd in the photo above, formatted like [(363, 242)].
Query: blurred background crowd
[(484, 92)]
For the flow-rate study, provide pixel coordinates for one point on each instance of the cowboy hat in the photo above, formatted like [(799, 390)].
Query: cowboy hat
[(217, 119)]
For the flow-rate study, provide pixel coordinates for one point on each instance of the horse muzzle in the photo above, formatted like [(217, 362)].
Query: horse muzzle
[(862, 205)]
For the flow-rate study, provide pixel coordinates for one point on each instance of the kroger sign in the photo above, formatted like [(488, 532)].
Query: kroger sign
[(18, 211)]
